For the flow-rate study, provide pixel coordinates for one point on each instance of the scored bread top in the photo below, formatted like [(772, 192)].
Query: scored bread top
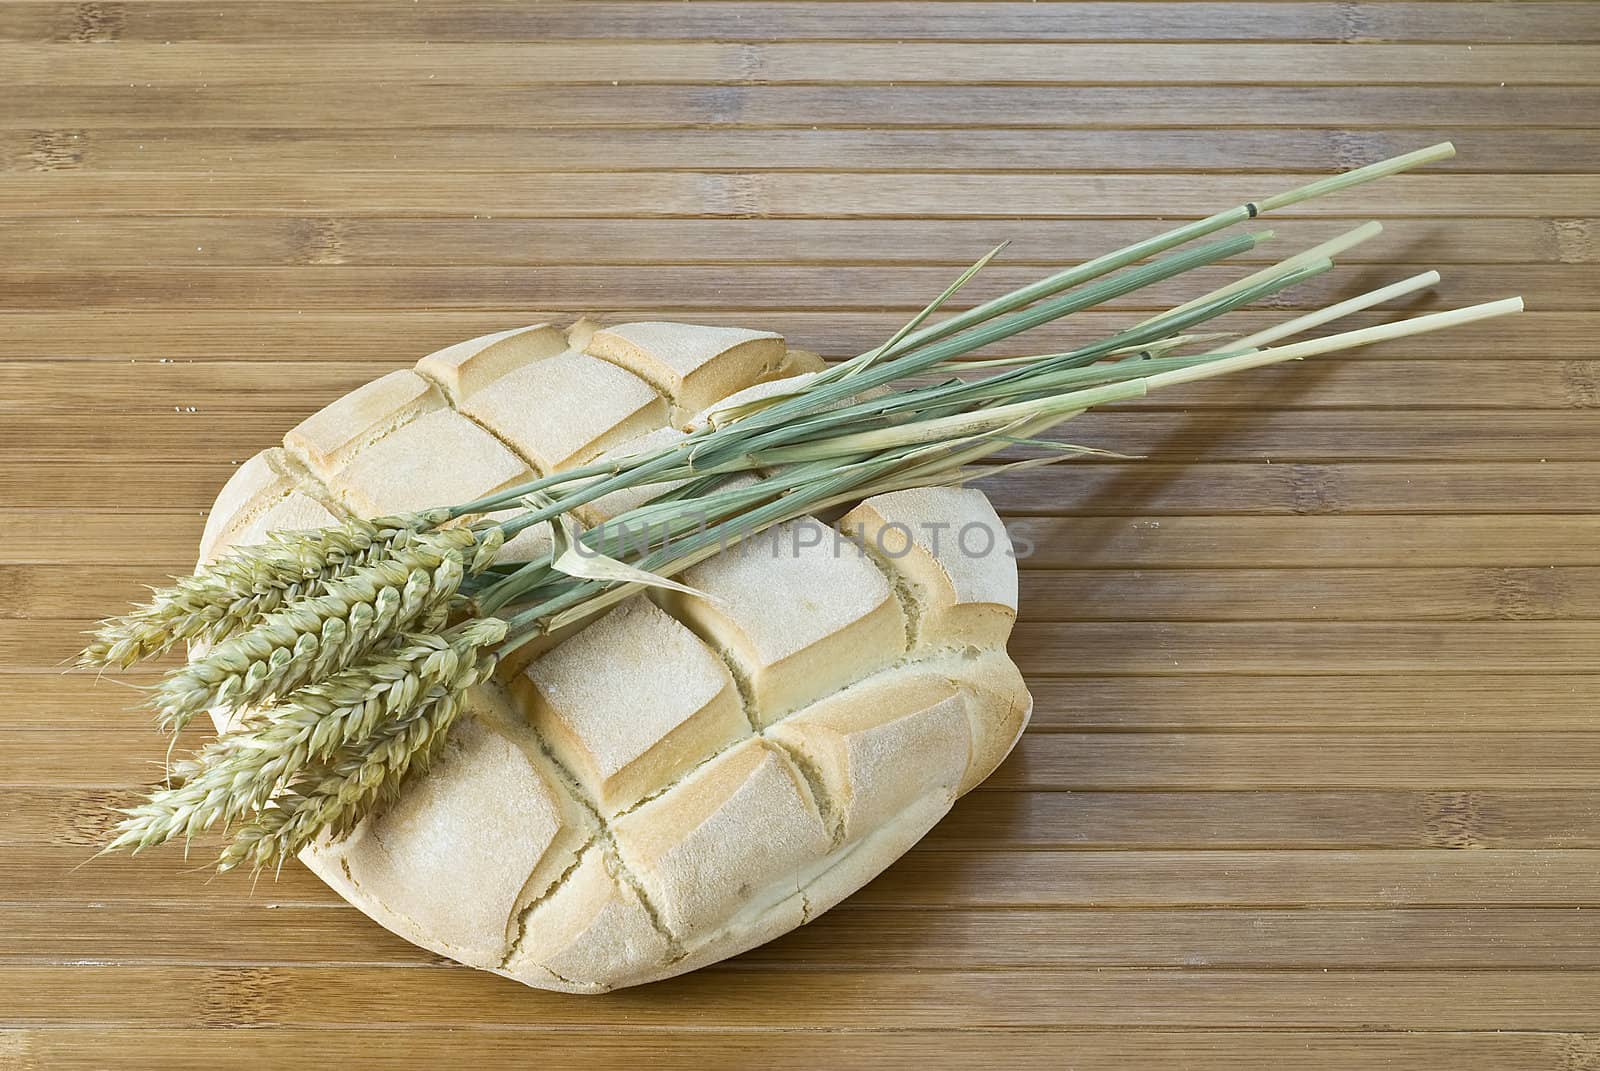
[(688, 775)]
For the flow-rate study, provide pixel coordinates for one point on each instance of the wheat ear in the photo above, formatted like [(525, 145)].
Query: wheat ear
[(239, 772), (238, 590), (333, 797), (314, 637)]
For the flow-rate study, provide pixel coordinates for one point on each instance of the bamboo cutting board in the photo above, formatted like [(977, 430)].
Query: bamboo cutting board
[(1312, 778)]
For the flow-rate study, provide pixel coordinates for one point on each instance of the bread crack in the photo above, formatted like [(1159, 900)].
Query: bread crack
[(905, 592), (520, 918), (480, 425), (831, 811), (604, 834), (395, 422), (681, 778), (742, 684), (308, 483)]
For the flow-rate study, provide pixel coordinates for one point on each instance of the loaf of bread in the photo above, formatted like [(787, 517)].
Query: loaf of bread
[(688, 775)]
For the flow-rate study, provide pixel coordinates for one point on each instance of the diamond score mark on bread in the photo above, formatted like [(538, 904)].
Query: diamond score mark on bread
[(686, 777)]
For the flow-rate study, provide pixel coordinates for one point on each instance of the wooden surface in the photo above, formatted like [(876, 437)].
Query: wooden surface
[(1312, 778)]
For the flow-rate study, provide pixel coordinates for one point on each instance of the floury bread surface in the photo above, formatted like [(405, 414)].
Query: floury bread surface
[(685, 777)]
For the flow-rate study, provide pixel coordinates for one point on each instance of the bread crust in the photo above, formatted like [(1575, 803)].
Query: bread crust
[(688, 777)]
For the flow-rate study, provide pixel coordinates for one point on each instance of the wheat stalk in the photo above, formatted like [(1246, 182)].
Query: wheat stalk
[(331, 650)]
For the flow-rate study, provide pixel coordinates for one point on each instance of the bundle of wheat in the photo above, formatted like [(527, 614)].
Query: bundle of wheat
[(338, 658)]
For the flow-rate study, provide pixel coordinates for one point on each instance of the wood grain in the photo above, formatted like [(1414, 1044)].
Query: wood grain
[(1364, 21), (712, 63), (1311, 778), (749, 997), (127, 242), (1204, 1050), (718, 194), (156, 146)]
